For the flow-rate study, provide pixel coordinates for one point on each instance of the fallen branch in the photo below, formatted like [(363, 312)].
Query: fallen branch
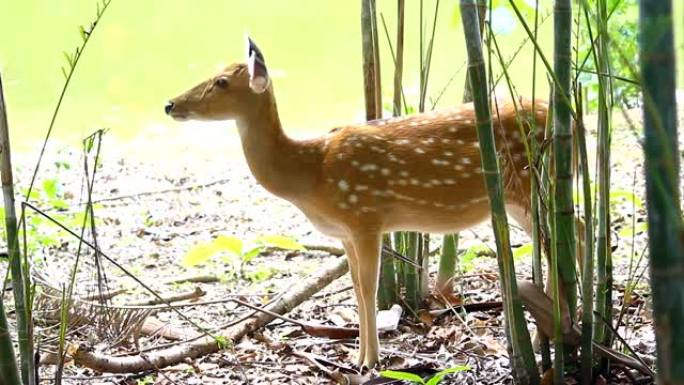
[(540, 305), (193, 279), (177, 354)]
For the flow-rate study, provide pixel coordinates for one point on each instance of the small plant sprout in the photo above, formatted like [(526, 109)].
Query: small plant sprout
[(416, 379)]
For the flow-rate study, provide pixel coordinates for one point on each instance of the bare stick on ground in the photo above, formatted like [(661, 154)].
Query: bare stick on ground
[(177, 354)]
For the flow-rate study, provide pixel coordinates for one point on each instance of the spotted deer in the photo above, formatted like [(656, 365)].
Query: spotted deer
[(420, 172)]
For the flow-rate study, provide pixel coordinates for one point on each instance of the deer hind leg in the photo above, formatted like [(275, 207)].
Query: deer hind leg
[(367, 250), (523, 218), (354, 271)]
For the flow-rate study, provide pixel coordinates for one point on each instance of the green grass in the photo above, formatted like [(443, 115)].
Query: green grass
[(146, 52)]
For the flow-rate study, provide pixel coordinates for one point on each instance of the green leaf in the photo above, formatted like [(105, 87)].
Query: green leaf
[(396, 375), (68, 58), (280, 241), (260, 275), (522, 251), (616, 196), (473, 252), (627, 231), (437, 378), (250, 255), (228, 243), (198, 254), (203, 252), (82, 32)]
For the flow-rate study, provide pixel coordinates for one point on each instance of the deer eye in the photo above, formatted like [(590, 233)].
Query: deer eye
[(221, 82)]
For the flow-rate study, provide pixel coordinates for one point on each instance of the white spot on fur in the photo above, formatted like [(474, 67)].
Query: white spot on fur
[(343, 185), (466, 161), (404, 173), (369, 167), (414, 181), (449, 181), (439, 162), (385, 171), (353, 198), (361, 187), (419, 150)]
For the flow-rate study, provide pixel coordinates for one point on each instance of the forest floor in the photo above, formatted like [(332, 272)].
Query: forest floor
[(151, 213)]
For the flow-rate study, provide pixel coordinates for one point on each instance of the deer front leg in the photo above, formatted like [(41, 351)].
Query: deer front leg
[(354, 271), (367, 250)]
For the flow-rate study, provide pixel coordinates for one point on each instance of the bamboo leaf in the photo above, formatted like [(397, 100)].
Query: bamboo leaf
[(82, 32), (397, 375), (437, 378)]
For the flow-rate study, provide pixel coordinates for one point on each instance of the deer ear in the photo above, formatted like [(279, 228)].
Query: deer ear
[(256, 65)]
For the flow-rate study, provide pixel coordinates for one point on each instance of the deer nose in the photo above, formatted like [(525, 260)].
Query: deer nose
[(168, 108)]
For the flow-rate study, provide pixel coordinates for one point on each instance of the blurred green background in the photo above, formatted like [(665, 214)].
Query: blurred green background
[(145, 52)]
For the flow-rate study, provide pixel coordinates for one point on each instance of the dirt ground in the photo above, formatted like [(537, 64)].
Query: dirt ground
[(153, 209)]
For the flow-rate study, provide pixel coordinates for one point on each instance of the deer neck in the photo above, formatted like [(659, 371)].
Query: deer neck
[(280, 164)]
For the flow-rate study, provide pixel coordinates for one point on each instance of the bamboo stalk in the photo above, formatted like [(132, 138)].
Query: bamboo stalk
[(562, 141), (535, 199), (522, 358), (447, 265), (413, 242), (387, 291), (604, 296), (586, 357), (18, 265), (371, 60), (398, 59), (563, 208), (665, 230), (9, 372)]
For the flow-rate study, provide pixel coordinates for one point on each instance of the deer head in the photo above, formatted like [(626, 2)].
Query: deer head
[(229, 95)]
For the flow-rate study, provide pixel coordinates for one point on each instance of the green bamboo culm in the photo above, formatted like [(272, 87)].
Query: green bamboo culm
[(18, 265), (388, 293), (586, 358), (447, 265), (604, 298), (522, 357), (665, 229), (9, 372), (448, 259), (562, 142), (413, 242), (373, 100)]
